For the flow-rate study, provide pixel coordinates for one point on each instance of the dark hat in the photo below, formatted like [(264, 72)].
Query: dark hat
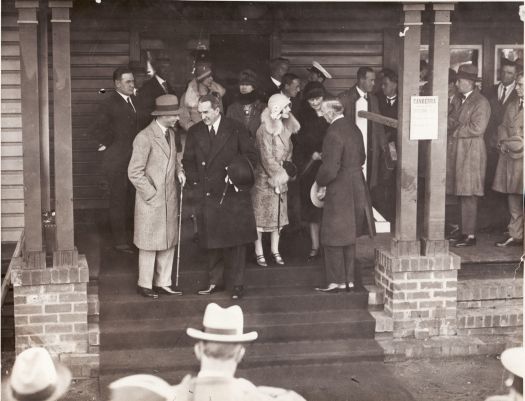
[(241, 173), (468, 71), (248, 77), (202, 71), (201, 54), (166, 105), (506, 61), (313, 90)]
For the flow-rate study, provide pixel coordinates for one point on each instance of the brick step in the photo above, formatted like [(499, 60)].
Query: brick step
[(498, 320), (495, 269), (127, 306), (477, 290), (258, 355), (272, 327)]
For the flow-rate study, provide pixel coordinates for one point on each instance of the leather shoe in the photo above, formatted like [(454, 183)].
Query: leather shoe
[(332, 288), (510, 241), (146, 292), (466, 241), (210, 289), (238, 292), (167, 290)]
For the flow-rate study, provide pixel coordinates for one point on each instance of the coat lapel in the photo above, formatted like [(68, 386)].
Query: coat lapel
[(161, 139), (202, 137), (220, 139)]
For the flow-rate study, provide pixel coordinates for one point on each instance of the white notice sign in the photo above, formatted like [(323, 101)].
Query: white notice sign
[(423, 117)]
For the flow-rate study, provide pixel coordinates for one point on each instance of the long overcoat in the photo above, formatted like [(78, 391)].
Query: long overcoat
[(377, 135), (509, 172), (152, 170), (205, 160), (347, 212), (466, 151)]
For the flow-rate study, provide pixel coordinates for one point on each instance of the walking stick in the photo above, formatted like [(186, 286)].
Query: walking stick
[(178, 242), (279, 214)]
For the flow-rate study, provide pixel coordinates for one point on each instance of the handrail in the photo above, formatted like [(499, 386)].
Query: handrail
[(14, 259)]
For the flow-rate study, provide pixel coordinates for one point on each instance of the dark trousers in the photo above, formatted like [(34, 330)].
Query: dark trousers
[(469, 214), (339, 262), (121, 204), (233, 258)]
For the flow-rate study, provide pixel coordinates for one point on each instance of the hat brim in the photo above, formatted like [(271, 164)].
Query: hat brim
[(512, 359), (313, 196), (61, 387), (221, 338), (467, 76), (166, 113)]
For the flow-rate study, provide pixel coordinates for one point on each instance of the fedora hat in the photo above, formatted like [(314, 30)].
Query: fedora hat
[(223, 325), (318, 68), (141, 388), (513, 359), (313, 196), (36, 377), (468, 71), (515, 147), (166, 105), (241, 173)]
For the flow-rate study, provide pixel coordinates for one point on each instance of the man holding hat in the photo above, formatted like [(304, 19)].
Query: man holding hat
[(152, 170), (318, 73), (219, 349), (466, 153), (220, 157)]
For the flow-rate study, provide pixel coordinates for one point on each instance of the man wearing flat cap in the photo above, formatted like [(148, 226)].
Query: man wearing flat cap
[(318, 73), (225, 215), (466, 152), (219, 349), (153, 169)]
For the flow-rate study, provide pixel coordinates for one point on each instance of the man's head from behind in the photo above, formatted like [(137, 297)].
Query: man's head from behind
[(279, 67), (366, 78), (124, 81), (331, 109)]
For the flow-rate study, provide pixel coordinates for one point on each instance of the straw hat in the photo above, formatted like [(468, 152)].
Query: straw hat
[(513, 359), (166, 105), (313, 196), (141, 388), (318, 68), (36, 377), (223, 325)]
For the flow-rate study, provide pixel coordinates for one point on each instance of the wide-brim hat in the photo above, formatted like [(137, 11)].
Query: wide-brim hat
[(513, 359), (202, 71), (37, 377), (248, 77), (313, 196), (241, 172), (318, 68), (166, 105), (223, 325), (142, 387), (468, 71)]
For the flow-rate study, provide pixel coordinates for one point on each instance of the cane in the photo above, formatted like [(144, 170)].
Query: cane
[(178, 242), (279, 214)]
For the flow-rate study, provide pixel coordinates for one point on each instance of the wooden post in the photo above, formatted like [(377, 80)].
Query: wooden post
[(405, 241), (43, 83), (66, 254), (434, 216), (28, 30)]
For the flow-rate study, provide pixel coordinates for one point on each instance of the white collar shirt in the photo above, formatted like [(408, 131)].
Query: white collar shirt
[(508, 90), (215, 125), (276, 82)]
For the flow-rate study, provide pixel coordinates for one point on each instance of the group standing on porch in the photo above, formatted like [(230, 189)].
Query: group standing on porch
[(252, 168)]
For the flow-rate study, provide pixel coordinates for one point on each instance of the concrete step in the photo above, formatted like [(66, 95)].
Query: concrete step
[(147, 360), (117, 306), (272, 327)]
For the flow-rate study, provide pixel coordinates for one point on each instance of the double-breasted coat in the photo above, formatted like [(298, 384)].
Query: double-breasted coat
[(376, 132), (347, 212), (152, 170), (205, 159), (466, 151), (509, 172)]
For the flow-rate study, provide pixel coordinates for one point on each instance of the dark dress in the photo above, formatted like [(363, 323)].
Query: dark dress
[(247, 110), (308, 141)]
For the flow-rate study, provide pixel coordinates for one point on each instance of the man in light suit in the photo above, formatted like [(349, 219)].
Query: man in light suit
[(152, 170), (219, 349), (114, 129)]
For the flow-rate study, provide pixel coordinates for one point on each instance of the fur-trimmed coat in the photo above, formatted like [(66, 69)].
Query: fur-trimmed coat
[(190, 100), (466, 151), (274, 145)]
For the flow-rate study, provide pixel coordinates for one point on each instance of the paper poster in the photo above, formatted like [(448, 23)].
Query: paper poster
[(423, 117)]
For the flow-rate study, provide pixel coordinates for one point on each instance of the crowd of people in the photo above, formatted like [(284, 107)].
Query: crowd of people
[(251, 165)]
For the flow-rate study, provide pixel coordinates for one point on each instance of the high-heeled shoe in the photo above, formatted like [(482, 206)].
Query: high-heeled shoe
[(261, 260), (278, 259), (314, 253)]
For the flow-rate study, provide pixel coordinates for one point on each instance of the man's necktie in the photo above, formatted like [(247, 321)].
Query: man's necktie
[(167, 135), (520, 107), (212, 132), (463, 98), (503, 95), (165, 87), (365, 97), (131, 105), (391, 101)]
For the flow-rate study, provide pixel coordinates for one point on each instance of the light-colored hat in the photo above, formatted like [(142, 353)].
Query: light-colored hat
[(313, 196), (316, 67), (224, 325), (36, 377), (166, 105), (202, 70), (513, 359), (276, 104), (141, 388)]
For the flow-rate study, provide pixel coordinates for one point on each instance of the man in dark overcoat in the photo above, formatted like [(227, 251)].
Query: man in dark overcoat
[(272, 84), (117, 123), (226, 221), (361, 97), (347, 210)]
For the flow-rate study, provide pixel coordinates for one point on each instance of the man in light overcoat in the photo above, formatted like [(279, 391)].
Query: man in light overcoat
[(466, 153), (153, 169)]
